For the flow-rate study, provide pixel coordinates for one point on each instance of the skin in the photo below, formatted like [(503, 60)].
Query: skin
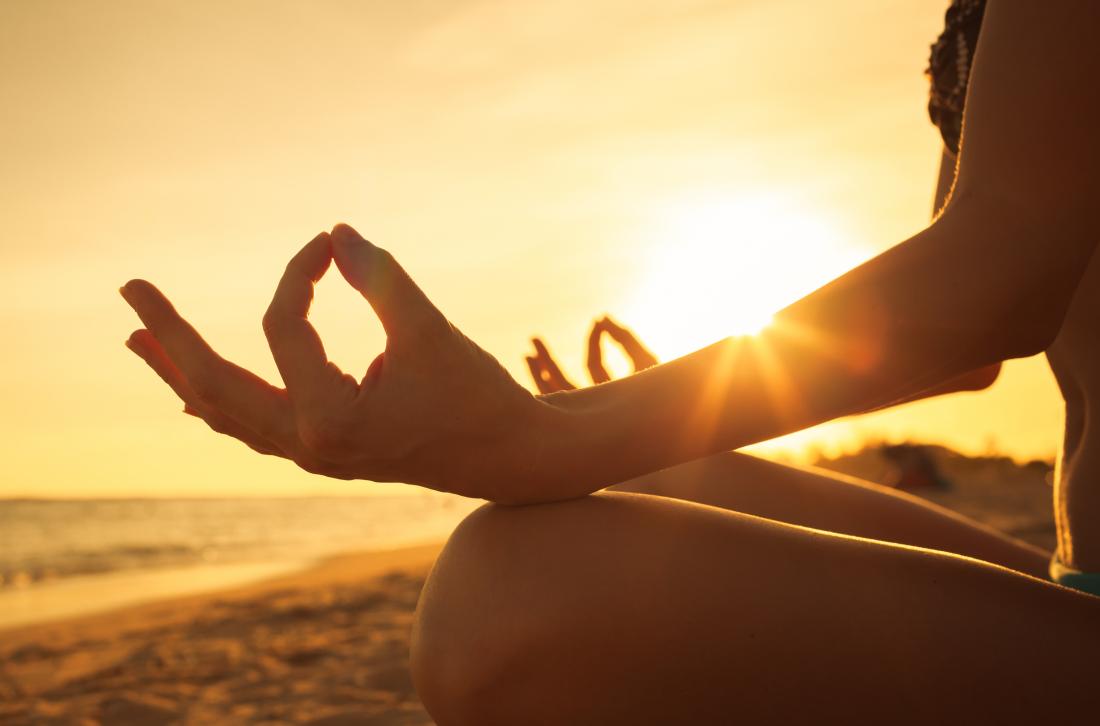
[(1075, 360), (813, 497), (632, 608), (432, 403)]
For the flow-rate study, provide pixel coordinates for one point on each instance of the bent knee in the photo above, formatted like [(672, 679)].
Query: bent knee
[(515, 607), (494, 600), (471, 622)]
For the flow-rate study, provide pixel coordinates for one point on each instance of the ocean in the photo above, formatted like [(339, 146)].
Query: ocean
[(65, 557)]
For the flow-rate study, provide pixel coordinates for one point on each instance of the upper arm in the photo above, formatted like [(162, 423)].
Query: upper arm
[(992, 277), (1033, 107), (1028, 176)]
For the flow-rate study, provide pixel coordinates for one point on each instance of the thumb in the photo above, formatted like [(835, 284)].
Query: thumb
[(397, 301)]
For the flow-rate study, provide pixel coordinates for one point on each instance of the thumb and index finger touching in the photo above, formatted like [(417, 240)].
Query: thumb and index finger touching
[(295, 343), (396, 299)]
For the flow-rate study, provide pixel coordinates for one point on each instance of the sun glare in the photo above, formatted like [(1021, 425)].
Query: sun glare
[(724, 264)]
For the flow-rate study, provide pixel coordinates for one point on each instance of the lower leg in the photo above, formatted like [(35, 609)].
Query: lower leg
[(836, 503)]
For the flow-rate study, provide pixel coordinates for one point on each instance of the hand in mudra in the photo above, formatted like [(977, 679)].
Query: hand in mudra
[(549, 378), (433, 409)]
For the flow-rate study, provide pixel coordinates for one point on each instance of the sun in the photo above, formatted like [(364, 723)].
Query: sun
[(720, 264)]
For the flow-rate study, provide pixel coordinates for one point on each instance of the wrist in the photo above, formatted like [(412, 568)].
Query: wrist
[(588, 440), (552, 453), (559, 457)]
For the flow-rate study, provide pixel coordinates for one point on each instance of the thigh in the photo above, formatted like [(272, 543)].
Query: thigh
[(836, 503), (621, 608)]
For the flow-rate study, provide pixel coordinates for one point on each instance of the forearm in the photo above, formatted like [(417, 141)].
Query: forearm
[(989, 280), (733, 393), (927, 311), (707, 467)]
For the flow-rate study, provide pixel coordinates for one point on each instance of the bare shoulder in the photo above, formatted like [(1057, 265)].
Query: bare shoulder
[(1029, 128)]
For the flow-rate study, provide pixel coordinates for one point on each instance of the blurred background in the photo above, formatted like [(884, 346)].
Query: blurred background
[(687, 167)]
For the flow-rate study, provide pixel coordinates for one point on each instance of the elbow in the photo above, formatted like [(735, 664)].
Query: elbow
[(1043, 252), (1032, 332), (980, 379), (1007, 342)]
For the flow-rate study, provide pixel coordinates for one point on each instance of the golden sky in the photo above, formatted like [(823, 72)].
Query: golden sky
[(686, 166)]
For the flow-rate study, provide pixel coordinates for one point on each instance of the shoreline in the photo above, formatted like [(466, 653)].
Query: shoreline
[(342, 568), (102, 593), (326, 641), (87, 594)]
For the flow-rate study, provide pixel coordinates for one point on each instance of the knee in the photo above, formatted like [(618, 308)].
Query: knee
[(469, 629), (496, 607)]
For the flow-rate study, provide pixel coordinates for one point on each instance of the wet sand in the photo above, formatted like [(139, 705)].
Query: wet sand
[(328, 645)]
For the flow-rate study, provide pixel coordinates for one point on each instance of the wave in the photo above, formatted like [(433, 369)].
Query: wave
[(44, 540)]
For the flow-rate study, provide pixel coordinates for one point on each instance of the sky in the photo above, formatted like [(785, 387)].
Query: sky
[(687, 167)]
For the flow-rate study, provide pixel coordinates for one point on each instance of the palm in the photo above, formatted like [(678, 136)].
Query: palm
[(433, 409)]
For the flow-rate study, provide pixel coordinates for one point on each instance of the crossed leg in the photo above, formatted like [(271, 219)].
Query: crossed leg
[(833, 502), (630, 608)]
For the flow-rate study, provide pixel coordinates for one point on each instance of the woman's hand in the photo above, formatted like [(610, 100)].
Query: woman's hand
[(433, 409), (549, 378)]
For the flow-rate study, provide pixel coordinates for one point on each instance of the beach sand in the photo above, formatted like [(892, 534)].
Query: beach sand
[(328, 645)]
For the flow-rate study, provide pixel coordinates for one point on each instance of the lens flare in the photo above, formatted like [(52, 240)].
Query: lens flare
[(721, 264)]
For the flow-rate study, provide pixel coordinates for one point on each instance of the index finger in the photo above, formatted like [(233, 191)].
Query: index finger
[(294, 342)]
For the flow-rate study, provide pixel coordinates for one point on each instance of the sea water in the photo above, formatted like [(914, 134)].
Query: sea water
[(66, 557)]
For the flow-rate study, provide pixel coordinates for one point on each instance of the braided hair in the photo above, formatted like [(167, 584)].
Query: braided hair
[(949, 68)]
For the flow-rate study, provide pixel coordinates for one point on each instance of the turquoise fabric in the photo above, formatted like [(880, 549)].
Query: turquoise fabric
[(1084, 581)]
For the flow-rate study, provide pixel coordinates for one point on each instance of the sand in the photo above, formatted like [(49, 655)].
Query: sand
[(328, 645)]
